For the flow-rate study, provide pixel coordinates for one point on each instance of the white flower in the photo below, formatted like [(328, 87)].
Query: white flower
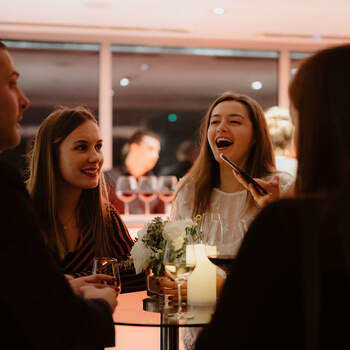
[(174, 229), (179, 241), (140, 255), (142, 232)]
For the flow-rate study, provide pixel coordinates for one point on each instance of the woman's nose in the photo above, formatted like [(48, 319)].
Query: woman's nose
[(23, 101), (95, 156), (221, 126)]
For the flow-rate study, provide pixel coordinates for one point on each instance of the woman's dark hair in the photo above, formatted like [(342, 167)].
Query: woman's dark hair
[(320, 94)]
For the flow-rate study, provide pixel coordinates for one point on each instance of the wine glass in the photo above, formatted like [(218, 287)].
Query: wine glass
[(107, 266), (166, 190), (147, 190), (217, 249), (126, 189), (179, 262)]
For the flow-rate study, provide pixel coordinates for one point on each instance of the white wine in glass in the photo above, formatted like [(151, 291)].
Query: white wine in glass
[(179, 262), (126, 190)]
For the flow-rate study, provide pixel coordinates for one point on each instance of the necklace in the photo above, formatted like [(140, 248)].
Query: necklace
[(66, 224)]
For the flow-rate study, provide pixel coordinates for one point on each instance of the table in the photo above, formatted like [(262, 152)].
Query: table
[(146, 312)]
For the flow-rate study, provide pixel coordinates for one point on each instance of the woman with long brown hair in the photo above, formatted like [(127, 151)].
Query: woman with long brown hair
[(234, 125), (68, 189)]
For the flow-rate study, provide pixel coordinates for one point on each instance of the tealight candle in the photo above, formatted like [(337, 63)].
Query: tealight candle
[(201, 285)]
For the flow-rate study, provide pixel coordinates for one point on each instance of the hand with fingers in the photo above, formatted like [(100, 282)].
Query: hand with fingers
[(272, 187), (98, 281), (106, 293)]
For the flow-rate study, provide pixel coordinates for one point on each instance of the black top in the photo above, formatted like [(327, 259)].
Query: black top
[(80, 261), (262, 303), (38, 308)]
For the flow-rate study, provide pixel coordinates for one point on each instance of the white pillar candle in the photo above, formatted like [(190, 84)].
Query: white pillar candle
[(201, 285)]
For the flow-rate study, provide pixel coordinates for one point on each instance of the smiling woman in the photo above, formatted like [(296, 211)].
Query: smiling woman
[(68, 190), (235, 126)]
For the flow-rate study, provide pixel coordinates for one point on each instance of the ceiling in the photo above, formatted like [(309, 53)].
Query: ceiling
[(180, 22), (175, 81)]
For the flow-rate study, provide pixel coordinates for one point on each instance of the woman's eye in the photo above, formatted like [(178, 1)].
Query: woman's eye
[(98, 146), (80, 148)]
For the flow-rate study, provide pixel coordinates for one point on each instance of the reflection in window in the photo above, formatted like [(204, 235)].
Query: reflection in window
[(169, 89), (295, 59)]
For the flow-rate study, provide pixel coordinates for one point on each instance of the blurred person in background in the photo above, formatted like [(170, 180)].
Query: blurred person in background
[(186, 154), (39, 308), (139, 156), (281, 130)]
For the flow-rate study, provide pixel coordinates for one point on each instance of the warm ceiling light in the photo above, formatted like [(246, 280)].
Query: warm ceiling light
[(144, 66), (124, 82), (218, 11), (317, 36), (257, 85)]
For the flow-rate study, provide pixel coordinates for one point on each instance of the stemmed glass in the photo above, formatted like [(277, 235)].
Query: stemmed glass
[(147, 190), (218, 251), (179, 262), (126, 190), (107, 266), (166, 190)]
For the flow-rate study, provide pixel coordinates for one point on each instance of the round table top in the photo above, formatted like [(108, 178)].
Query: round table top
[(138, 309)]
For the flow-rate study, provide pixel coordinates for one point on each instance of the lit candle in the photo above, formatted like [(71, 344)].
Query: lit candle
[(201, 285)]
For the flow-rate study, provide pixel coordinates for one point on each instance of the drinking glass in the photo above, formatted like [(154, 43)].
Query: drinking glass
[(166, 190), (147, 190), (126, 190), (179, 262), (107, 266), (217, 249)]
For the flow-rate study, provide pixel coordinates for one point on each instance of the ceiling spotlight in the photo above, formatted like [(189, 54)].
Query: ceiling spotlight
[(144, 66), (317, 36), (124, 82), (257, 85), (218, 11)]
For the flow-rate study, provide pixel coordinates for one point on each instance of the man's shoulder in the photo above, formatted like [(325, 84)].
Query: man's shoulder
[(10, 176)]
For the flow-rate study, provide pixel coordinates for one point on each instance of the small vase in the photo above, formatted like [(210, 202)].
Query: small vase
[(153, 290)]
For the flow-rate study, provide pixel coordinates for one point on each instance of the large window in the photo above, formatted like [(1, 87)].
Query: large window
[(169, 89)]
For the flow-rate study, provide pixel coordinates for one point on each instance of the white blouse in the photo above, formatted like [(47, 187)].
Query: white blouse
[(237, 210)]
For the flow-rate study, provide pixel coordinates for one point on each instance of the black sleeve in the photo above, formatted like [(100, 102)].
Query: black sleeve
[(262, 289), (41, 310)]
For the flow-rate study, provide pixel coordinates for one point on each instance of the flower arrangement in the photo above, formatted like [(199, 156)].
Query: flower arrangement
[(148, 250)]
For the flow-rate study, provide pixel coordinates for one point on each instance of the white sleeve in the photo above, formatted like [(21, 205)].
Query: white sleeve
[(183, 203)]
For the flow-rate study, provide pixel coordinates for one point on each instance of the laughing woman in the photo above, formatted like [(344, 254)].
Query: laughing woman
[(67, 186), (235, 126)]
